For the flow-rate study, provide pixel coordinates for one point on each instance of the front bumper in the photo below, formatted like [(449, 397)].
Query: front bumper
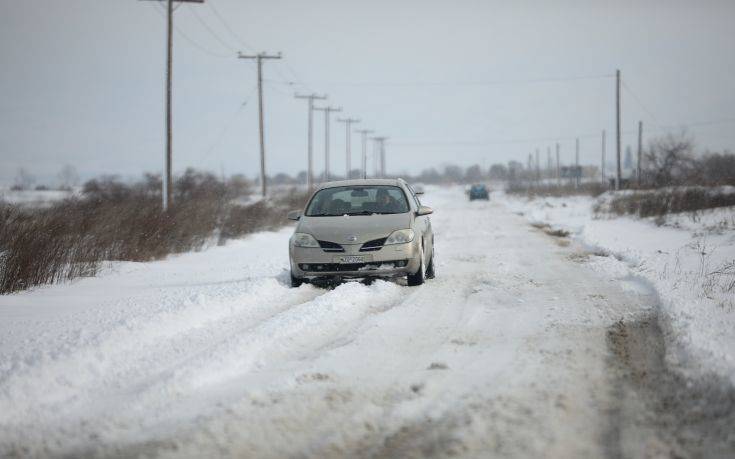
[(390, 261)]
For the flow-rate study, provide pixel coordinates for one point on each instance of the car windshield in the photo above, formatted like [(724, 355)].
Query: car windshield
[(358, 200)]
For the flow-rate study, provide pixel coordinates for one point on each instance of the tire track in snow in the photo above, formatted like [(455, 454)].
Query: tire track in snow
[(144, 379), (138, 347)]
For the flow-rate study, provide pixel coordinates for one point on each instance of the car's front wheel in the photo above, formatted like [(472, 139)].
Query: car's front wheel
[(419, 276), (430, 270), (296, 281)]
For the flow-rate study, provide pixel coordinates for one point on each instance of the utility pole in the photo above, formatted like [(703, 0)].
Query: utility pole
[(549, 165), (348, 143), (379, 156), (383, 168), (577, 171), (604, 144), (310, 148), (364, 133), (376, 149), (617, 133), (167, 182), (558, 166), (640, 152), (259, 60), (327, 111), (538, 168)]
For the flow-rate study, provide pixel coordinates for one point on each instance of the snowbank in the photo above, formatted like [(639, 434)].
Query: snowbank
[(689, 259)]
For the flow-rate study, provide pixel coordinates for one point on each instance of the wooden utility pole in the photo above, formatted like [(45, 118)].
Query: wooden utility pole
[(618, 172), (327, 111), (602, 169), (167, 182), (640, 152), (383, 167), (549, 164), (259, 60), (310, 148), (379, 156), (538, 168), (364, 133), (348, 144)]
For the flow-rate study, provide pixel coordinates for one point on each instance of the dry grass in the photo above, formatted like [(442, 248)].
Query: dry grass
[(533, 190), (656, 203), (117, 222)]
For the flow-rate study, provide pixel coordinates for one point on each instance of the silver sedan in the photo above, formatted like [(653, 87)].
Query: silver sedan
[(362, 229)]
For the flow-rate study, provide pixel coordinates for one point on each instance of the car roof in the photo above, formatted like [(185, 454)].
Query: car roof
[(364, 182)]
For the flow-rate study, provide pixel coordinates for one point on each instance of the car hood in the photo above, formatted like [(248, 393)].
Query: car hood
[(362, 227)]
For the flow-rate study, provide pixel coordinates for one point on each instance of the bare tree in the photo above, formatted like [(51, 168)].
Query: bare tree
[(473, 173), (24, 180), (669, 160), (68, 177)]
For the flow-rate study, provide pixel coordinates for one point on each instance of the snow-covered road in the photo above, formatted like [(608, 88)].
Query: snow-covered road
[(506, 352)]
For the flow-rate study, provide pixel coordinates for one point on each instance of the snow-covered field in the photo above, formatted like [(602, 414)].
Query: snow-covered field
[(34, 198), (682, 257), (505, 353)]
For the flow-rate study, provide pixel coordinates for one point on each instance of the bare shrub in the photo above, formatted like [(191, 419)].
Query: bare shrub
[(721, 280), (115, 221), (593, 189), (669, 160), (655, 203)]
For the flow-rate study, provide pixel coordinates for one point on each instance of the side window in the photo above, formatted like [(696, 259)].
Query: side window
[(413, 195)]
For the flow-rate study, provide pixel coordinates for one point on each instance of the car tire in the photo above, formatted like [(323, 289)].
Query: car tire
[(419, 276), (296, 281), (430, 270)]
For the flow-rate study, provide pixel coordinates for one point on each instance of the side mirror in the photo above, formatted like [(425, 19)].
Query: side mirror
[(424, 210), (294, 215)]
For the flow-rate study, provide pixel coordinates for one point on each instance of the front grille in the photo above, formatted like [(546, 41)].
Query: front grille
[(331, 247), (372, 246), (338, 267)]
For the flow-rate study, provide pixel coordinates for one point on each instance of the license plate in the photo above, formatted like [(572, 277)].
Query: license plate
[(352, 259)]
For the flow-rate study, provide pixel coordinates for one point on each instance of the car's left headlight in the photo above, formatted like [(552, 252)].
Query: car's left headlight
[(304, 240), (400, 237)]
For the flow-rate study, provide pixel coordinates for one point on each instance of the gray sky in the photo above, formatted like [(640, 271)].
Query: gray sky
[(462, 81)]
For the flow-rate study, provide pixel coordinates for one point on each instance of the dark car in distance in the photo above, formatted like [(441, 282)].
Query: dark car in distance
[(479, 191)]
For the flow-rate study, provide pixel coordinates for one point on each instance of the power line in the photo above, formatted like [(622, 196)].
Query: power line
[(463, 83), (211, 31), (229, 124), (640, 102), (161, 10), (482, 143), (229, 29)]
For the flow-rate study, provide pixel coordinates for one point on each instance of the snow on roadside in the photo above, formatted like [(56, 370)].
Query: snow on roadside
[(679, 258)]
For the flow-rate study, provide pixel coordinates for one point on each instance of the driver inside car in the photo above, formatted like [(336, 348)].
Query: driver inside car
[(386, 203)]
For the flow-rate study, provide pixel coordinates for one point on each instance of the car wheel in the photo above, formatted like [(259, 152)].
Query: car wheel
[(296, 281), (430, 270), (420, 275)]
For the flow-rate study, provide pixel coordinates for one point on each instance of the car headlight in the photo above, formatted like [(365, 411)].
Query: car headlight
[(400, 237), (304, 240)]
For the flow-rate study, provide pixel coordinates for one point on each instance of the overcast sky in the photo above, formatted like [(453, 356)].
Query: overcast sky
[(82, 81)]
